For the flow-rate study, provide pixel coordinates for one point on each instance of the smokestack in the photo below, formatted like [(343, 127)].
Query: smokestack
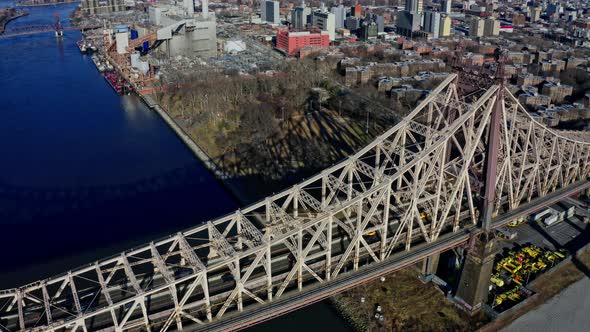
[(205, 7)]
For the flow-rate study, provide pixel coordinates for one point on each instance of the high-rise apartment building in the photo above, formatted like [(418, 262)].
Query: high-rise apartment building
[(270, 12), (378, 19), (535, 14), (356, 10), (325, 21), (352, 23), (476, 27), (445, 26), (414, 6), (408, 22), (432, 23), (339, 16), (445, 6), (554, 9), (491, 27), (299, 17), (368, 29)]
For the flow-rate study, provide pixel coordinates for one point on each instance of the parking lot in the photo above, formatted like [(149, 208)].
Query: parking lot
[(534, 250), (570, 233)]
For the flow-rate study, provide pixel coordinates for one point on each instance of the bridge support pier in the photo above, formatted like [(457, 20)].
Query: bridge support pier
[(473, 288), (429, 266)]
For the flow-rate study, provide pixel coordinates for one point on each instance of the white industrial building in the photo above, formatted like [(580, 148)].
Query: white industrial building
[(122, 39), (186, 33)]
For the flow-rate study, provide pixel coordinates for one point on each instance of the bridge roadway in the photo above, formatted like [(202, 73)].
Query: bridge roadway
[(258, 313), (217, 284), (41, 28), (293, 300)]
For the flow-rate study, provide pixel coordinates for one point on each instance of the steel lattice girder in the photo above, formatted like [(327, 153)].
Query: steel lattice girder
[(420, 179)]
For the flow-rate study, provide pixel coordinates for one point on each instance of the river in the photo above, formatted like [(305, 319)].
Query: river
[(85, 173)]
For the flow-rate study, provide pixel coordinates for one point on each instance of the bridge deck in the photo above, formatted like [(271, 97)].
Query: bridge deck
[(296, 300)]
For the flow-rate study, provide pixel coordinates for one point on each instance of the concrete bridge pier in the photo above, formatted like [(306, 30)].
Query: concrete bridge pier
[(429, 267), (474, 285)]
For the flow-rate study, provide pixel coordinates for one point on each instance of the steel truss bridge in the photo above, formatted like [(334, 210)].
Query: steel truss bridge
[(356, 220), (40, 28)]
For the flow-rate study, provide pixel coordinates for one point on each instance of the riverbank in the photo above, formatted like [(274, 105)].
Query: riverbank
[(406, 304), (250, 185), (32, 3), (10, 14), (194, 147), (148, 99), (327, 313), (114, 175), (254, 148)]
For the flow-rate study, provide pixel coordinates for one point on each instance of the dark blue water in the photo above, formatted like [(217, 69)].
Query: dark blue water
[(84, 173)]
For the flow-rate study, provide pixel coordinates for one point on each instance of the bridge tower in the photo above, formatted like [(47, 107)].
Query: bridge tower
[(59, 30), (473, 288)]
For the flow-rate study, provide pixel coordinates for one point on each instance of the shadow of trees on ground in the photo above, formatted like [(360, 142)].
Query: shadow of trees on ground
[(302, 148)]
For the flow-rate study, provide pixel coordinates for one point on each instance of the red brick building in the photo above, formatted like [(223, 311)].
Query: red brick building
[(292, 42)]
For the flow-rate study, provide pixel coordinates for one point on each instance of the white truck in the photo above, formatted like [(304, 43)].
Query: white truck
[(539, 215), (551, 219)]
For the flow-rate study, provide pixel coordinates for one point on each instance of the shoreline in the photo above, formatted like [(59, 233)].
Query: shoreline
[(198, 151), (12, 18), (18, 4), (191, 144)]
